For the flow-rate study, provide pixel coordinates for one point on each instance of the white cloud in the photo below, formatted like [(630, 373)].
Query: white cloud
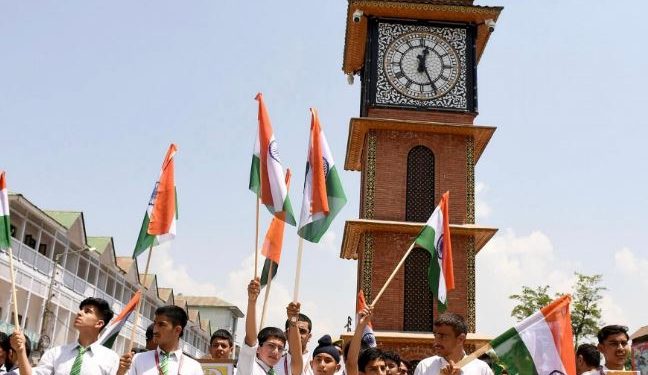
[(632, 267), (507, 263), (482, 209), (173, 274)]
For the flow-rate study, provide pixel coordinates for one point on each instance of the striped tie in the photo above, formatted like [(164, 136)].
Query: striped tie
[(76, 366), (164, 363)]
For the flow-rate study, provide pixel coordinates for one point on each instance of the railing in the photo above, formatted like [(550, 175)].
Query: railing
[(81, 287)]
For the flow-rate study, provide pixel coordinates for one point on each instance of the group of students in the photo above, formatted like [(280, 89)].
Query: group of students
[(88, 357), (272, 350)]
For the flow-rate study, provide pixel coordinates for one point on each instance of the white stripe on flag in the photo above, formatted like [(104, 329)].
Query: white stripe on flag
[(537, 337)]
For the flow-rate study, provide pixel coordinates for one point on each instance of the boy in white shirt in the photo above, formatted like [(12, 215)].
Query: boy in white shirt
[(168, 358)]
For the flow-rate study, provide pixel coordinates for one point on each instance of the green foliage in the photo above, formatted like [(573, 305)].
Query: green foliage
[(529, 301), (585, 309)]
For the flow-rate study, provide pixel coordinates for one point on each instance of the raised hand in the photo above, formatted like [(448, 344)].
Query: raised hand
[(254, 288)]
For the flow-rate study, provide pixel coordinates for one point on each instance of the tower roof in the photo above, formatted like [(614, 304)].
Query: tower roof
[(432, 10)]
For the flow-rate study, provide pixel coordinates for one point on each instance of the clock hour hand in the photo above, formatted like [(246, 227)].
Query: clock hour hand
[(422, 67), (421, 60)]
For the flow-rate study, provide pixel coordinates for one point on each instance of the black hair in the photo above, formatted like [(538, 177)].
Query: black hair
[(610, 330), (177, 315), (453, 320), (367, 356), (222, 334), (139, 350), (392, 356), (270, 332), (4, 342), (149, 332), (590, 354), (103, 309), (302, 318)]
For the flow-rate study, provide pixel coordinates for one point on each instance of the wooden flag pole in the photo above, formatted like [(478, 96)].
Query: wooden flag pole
[(474, 355), (139, 303), (13, 290), (267, 294), (256, 242), (393, 274), (298, 271)]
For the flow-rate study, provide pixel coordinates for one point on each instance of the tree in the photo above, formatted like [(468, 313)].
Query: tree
[(585, 309), (530, 301)]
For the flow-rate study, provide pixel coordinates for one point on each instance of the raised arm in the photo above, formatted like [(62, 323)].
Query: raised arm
[(294, 341), (18, 345), (351, 361), (254, 288)]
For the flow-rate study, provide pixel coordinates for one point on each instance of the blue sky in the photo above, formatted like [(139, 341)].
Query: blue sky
[(92, 93)]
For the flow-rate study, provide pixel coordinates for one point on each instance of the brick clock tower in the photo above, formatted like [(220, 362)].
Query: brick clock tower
[(415, 139)]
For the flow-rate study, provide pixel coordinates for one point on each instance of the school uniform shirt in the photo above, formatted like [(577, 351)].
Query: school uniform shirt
[(249, 364), (433, 366), (308, 358), (178, 364), (97, 360), (596, 371)]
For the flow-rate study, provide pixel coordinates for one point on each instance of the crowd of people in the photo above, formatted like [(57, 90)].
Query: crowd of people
[(273, 350)]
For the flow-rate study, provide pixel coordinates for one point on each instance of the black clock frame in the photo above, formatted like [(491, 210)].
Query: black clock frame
[(368, 75)]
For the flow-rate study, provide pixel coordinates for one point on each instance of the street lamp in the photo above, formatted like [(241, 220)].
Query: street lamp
[(44, 340)]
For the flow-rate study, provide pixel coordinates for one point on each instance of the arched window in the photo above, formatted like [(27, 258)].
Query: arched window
[(419, 201), (417, 311)]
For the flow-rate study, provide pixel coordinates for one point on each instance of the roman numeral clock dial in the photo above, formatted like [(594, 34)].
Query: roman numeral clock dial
[(423, 65)]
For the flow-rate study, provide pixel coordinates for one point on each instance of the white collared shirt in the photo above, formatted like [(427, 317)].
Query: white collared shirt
[(145, 364), (97, 360), (249, 364), (433, 366)]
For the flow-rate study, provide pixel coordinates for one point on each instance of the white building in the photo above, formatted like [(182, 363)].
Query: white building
[(54, 256)]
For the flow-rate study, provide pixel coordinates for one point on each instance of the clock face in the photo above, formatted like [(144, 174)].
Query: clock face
[(421, 65)]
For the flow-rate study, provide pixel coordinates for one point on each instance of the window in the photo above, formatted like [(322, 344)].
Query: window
[(418, 301), (420, 184)]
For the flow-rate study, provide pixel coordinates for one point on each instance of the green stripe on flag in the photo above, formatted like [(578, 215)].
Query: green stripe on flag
[(266, 270), (427, 240), (513, 354), (5, 232), (255, 175), (287, 208), (314, 231), (144, 240)]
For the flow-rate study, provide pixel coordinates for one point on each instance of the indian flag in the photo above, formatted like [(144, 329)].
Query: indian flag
[(540, 344), (273, 243), (323, 193), (435, 238), (368, 336), (266, 174), (111, 331), (159, 224), (5, 224)]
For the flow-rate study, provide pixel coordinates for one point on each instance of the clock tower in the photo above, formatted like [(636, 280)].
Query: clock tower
[(414, 140)]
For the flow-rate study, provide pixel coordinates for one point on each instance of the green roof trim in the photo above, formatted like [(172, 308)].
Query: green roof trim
[(65, 218), (100, 244)]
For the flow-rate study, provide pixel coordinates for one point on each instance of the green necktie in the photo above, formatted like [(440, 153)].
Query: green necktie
[(271, 371), (76, 366), (164, 362)]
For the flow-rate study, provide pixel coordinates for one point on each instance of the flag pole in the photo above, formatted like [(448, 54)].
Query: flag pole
[(256, 242), (474, 355), (298, 271), (267, 294), (393, 274), (14, 296), (138, 315)]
